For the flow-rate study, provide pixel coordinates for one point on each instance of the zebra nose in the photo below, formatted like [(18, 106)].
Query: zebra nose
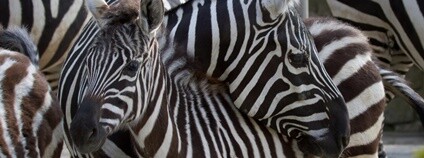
[(85, 130), (87, 136), (93, 134)]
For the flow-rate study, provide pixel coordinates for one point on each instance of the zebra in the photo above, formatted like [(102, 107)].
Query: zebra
[(269, 38), (31, 119), (119, 84), (394, 27), (346, 55)]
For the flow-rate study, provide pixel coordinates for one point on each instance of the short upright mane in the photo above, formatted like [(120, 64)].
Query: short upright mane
[(123, 12)]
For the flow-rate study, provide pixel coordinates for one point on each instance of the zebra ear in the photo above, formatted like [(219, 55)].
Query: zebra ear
[(151, 14), (278, 7), (96, 7)]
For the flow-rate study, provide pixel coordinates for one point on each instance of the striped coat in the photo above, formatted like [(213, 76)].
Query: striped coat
[(31, 119), (395, 29), (54, 26), (347, 57), (120, 84)]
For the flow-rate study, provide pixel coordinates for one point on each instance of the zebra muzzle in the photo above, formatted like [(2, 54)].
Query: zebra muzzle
[(86, 132), (324, 147), (332, 143), (86, 139)]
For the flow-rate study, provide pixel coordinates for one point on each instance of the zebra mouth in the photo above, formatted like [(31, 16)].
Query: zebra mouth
[(309, 146), (92, 143), (87, 137)]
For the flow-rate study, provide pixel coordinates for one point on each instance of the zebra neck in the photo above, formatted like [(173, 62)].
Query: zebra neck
[(155, 129)]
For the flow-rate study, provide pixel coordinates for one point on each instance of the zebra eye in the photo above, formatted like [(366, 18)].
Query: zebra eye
[(298, 58), (133, 65)]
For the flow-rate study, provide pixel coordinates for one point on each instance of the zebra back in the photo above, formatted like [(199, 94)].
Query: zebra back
[(347, 56), (31, 117)]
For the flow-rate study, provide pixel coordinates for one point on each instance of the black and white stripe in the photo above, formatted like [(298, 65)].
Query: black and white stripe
[(119, 83), (395, 29), (347, 57), (396, 33), (277, 60), (31, 120)]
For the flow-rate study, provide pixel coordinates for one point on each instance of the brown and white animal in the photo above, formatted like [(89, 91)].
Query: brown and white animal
[(31, 119)]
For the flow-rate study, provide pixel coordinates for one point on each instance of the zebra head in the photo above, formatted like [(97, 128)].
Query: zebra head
[(307, 105), (115, 62)]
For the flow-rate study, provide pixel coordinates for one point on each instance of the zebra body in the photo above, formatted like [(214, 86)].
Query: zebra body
[(161, 114), (31, 120), (395, 29)]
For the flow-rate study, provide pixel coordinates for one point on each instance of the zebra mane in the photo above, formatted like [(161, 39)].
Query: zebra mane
[(17, 39), (124, 11)]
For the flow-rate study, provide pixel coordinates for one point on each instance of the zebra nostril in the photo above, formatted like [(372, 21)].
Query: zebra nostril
[(92, 134)]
